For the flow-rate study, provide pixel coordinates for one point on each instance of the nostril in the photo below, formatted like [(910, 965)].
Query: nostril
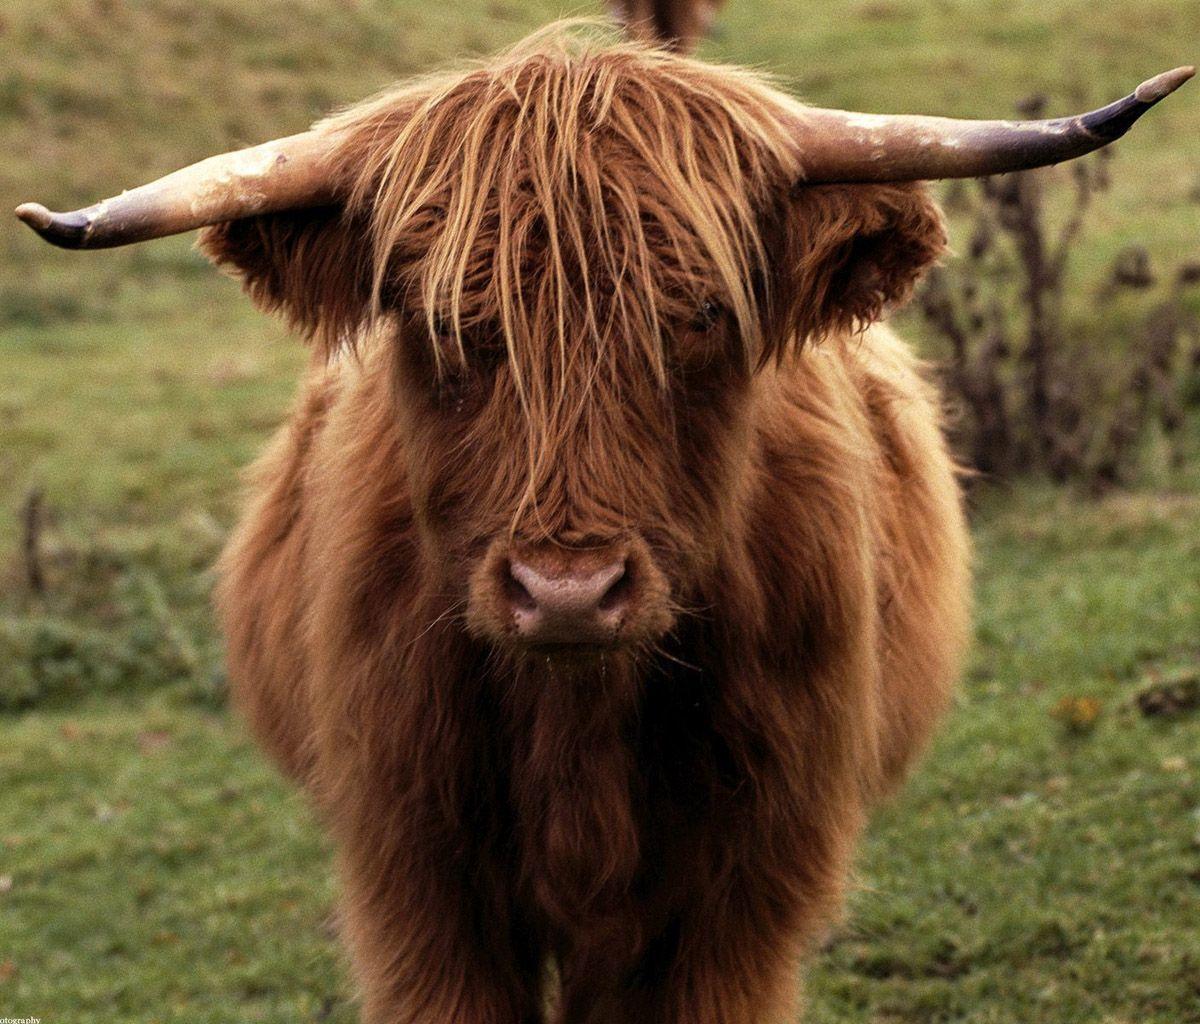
[(517, 593), (618, 592)]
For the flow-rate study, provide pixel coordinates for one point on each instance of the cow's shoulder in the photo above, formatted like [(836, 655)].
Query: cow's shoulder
[(900, 399)]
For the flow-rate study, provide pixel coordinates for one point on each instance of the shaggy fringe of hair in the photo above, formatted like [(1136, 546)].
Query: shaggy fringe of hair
[(631, 179)]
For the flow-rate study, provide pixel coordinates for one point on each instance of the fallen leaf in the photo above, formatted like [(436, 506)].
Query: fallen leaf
[(149, 742), (1077, 714)]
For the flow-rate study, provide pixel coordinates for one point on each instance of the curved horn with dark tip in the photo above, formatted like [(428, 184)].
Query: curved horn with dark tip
[(286, 174), (837, 146)]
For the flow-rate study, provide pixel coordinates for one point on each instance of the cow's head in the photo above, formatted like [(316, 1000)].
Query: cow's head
[(578, 259)]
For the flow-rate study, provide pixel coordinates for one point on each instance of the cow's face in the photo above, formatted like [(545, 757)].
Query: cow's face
[(586, 266), (579, 512)]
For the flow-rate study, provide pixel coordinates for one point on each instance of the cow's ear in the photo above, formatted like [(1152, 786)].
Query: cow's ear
[(311, 266), (847, 254)]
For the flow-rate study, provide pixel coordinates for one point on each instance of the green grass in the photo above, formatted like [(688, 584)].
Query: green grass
[(153, 868), (1032, 873)]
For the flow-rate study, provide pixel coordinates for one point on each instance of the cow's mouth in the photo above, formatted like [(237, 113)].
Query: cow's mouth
[(573, 654)]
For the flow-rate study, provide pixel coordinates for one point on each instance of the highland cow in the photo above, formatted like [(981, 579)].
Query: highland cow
[(610, 567)]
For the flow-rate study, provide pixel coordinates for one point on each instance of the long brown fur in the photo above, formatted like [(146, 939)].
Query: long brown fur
[(575, 298)]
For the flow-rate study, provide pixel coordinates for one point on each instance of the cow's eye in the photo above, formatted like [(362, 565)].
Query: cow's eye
[(450, 345), (454, 387), (466, 363), (707, 316)]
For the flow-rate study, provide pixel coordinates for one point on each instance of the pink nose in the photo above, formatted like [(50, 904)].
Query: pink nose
[(576, 604)]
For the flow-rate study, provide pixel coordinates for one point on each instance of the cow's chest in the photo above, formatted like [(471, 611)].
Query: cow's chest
[(612, 811)]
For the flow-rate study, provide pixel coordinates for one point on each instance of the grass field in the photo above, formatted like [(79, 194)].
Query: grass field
[(1043, 867)]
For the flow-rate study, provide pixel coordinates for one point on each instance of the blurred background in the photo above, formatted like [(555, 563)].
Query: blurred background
[(1044, 866)]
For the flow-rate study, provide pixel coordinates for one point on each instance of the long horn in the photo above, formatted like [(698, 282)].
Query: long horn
[(837, 146), (286, 174)]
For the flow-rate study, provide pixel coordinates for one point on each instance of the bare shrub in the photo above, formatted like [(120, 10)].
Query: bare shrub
[(1035, 391)]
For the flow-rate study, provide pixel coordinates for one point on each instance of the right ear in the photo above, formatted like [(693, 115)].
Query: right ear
[(844, 254), (311, 266)]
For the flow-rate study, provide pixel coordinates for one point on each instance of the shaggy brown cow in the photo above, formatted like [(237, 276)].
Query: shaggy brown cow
[(604, 574)]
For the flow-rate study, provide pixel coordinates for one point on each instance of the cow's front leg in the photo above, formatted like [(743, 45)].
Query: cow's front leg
[(731, 949), (735, 959), (431, 942), (729, 971)]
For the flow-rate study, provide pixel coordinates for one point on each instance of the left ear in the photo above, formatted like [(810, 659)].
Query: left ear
[(846, 254), (312, 266)]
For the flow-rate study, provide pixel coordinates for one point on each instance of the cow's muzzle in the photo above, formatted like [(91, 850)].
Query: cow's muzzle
[(569, 599)]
